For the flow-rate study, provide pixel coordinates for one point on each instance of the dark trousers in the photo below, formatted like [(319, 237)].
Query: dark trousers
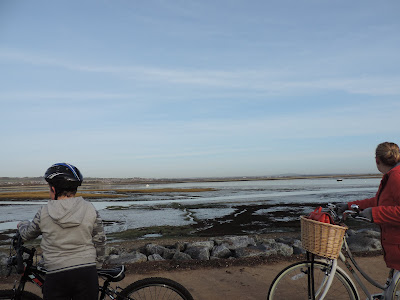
[(76, 284)]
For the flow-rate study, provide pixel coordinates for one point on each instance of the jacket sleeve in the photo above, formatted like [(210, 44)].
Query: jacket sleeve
[(390, 214), (370, 202), (99, 240), (30, 230)]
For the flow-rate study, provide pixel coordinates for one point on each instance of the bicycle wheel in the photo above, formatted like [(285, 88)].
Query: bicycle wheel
[(396, 291), (155, 288), (9, 295), (292, 283)]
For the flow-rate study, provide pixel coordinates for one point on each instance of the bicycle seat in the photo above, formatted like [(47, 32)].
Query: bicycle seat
[(114, 275)]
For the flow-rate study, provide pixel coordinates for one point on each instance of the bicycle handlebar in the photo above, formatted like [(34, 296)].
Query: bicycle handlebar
[(18, 259), (354, 213)]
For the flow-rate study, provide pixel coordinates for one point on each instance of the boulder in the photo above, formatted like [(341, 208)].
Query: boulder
[(205, 244), (169, 253), (283, 249), (236, 242), (251, 251), (3, 264), (181, 256), (298, 248), (200, 253), (221, 251), (154, 249), (365, 240), (126, 258), (155, 257)]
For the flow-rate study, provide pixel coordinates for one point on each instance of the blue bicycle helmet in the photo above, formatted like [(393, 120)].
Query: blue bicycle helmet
[(63, 176)]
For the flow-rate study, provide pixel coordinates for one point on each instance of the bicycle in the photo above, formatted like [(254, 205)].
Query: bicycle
[(155, 288), (321, 278)]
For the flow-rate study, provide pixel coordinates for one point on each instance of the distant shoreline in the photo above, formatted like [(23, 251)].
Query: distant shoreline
[(23, 181)]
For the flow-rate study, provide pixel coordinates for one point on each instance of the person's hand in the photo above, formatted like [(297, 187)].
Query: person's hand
[(341, 207), (367, 213)]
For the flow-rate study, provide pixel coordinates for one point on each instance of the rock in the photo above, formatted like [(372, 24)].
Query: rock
[(180, 246), (200, 253), (285, 240), (181, 256), (268, 249), (221, 251), (154, 249), (126, 258), (232, 247), (155, 257), (370, 233), (235, 242), (206, 244), (350, 232), (250, 252), (169, 253), (283, 249), (298, 247), (3, 264), (365, 240), (268, 242)]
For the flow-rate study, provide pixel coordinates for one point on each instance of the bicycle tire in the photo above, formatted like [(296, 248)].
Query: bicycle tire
[(9, 295), (396, 291), (155, 288), (292, 283)]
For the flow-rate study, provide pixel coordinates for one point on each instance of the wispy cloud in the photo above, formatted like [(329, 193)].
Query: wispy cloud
[(270, 82)]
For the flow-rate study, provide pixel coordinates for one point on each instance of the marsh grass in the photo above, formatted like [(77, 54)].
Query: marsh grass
[(97, 193), (149, 191), (45, 195)]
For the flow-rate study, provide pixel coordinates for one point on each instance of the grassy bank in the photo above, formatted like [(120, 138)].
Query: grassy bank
[(97, 193)]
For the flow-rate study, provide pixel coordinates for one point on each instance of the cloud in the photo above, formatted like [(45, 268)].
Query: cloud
[(266, 81)]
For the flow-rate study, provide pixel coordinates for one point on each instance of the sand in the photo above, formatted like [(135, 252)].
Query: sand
[(232, 282)]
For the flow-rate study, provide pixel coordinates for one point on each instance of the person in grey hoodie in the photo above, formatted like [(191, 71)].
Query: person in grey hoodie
[(73, 238)]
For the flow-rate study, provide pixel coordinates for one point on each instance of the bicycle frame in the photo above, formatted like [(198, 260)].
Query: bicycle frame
[(30, 273), (351, 264), (36, 275), (387, 288)]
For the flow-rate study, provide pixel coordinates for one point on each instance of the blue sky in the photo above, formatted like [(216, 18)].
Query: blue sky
[(185, 88)]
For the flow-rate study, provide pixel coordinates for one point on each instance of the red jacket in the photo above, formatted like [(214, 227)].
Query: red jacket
[(386, 213)]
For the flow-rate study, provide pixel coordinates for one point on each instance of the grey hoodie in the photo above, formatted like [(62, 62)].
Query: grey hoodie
[(72, 234)]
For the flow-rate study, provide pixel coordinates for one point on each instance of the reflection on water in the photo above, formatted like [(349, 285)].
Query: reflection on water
[(158, 209)]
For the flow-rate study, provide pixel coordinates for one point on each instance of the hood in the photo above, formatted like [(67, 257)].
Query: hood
[(67, 212)]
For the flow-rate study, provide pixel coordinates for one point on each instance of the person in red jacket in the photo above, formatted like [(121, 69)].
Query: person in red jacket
[(384, 208)]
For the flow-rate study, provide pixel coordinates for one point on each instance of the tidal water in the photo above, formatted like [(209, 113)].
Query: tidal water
[(182, 208)]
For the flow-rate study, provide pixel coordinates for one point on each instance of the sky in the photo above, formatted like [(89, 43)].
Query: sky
[(210, 88)]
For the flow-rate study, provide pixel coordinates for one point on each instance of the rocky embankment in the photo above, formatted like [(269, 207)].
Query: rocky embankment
[(233, 247), (226, 247)]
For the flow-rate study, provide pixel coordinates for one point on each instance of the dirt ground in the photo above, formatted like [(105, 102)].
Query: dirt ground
[(226, 279)]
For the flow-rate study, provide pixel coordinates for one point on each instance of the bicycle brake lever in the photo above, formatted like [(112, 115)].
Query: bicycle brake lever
[(355, 208)]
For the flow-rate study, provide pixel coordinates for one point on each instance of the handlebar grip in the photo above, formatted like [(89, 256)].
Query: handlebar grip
[(20, 263), (17, 245)]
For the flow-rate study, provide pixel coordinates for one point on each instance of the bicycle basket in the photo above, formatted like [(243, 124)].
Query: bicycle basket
[(320, 238)]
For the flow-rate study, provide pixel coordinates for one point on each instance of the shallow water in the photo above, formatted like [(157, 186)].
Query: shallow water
[(160, 209)]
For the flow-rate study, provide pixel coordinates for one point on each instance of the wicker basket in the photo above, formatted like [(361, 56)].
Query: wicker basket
[(322, 239)]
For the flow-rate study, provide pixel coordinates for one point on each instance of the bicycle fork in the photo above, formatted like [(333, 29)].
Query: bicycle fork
[(324, 285)]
